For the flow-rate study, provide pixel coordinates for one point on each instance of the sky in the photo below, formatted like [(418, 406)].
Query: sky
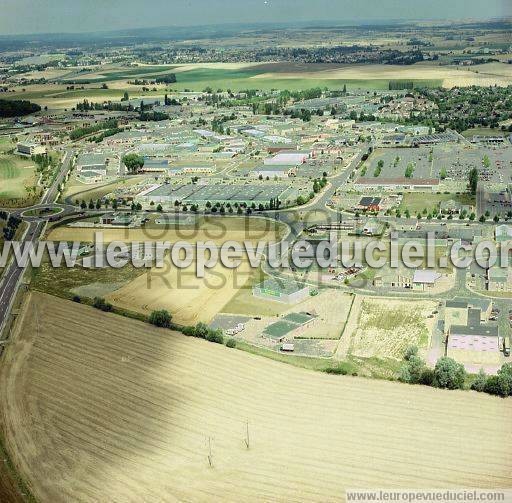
[(71, 16)]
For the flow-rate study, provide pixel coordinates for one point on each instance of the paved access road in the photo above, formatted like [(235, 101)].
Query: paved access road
[(11, 278)]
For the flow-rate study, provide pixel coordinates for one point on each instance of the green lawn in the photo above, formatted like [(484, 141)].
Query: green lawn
[(416, 201), (484, 131), (197, 80), (5, 144), (16, 173)]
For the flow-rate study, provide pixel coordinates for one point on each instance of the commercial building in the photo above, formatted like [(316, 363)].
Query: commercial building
[(289, 326), (288, 292), (222, 193), (289, 158), (29, 149), (474, 335), (396, 183), (272, 172), (91, 167)]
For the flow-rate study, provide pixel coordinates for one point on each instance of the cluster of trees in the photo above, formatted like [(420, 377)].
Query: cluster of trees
[(319, 184), (101, 304), (86, 105), (202, 331), (166, 79), (473, 180), (463, 108), (17, 108), (496, 217), (170, 101), (218, 123), (449, 374), (161, 318), (80, 132), (134, 162), (378, 169), (434, 213), (11, 226), (99, 203), (105, 134), (500, 384), (153, 116)]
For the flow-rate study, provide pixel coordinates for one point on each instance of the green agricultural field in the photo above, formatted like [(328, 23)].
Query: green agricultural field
[(416, 201), (194, 79), (64, 282), (77, 190), (198, 79), (5, 144), (16, 174), (483, 131)]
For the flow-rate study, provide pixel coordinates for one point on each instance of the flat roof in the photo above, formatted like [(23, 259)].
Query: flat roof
[(227, 321), (480, 330), (282, 286), (454, 304), (221, 192), (426, 276), (473, 343), (299, 318), (480, 302), (398, 181), (91, 159), (279, 329)]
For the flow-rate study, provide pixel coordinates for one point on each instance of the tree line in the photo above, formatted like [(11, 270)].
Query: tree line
[(17, 108)]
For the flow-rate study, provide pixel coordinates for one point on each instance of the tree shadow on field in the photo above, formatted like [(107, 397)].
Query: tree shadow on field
[(91, 404)]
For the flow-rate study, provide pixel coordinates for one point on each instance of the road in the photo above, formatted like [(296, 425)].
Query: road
[(11, 278)]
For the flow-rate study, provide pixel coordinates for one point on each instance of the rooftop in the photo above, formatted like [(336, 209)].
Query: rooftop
[(285, 287)]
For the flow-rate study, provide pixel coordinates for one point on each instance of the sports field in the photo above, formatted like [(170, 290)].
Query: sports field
[(96, 407)]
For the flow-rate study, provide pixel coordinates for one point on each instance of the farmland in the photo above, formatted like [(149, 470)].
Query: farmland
[(78, 190), (195, 77), (214, 229), (16, 173), (181, 292), (123, 407), (189, 298), (241, 76)]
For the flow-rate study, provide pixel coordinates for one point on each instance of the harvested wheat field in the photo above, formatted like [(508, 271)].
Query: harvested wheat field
[(215, 229), (190, 299), (97, 407), (449, 75)]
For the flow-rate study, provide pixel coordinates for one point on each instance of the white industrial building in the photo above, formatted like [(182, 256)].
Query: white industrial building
[(29, 148), (288, 159)]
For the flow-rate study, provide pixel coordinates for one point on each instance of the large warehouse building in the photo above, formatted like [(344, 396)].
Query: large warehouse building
[(190, 193), (288, 292)]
